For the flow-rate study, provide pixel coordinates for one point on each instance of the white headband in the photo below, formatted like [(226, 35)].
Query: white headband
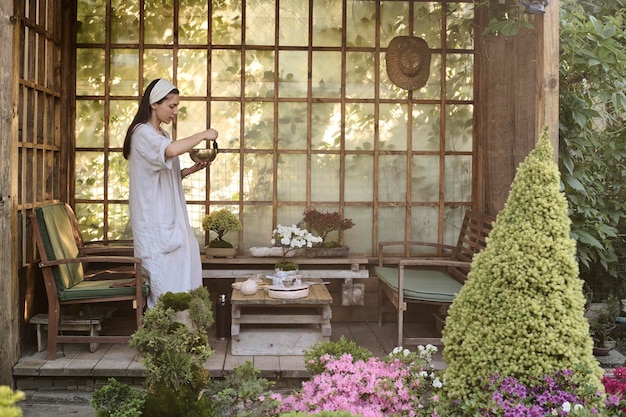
[(161, 89)]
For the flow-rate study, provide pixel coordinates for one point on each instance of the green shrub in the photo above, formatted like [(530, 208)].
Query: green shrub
[(178, 301), (240, 393), (116, 399), (335, 350), (521, 311), (8, 399), (221, 222), (167, 402)]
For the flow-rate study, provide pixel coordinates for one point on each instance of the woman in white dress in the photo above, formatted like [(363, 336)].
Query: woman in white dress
[(162, 236)]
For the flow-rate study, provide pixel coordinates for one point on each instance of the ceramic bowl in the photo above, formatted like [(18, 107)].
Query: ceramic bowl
[(201, 155)]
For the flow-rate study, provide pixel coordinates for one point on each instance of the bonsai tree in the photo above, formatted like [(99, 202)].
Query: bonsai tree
[(323, 222), (221, 222), (521, 310)]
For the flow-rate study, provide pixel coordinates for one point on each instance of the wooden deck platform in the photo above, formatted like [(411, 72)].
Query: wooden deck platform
[(80, 369)]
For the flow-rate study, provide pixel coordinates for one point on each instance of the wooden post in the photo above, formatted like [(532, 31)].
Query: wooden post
[(9, 295), (548, 73)]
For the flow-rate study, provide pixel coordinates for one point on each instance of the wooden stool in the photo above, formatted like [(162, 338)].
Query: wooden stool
[(91, 324)]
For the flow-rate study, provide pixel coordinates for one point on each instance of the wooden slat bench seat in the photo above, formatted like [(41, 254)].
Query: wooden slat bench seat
[(90, 324), (428, 279)]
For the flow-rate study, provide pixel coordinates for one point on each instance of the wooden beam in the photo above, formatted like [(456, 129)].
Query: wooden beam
[(548, 73), (9, 295)]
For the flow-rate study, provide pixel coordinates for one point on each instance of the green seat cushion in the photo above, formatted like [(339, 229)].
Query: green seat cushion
[(57, 235), (423, 285), (99, 289)]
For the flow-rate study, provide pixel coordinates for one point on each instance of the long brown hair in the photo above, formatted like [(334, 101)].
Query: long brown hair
[(143, 115)]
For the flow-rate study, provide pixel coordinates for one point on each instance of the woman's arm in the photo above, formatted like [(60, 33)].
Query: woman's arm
[(180, 146)]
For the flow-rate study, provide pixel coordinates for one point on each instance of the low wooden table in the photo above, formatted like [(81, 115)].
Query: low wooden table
[(275, 326)]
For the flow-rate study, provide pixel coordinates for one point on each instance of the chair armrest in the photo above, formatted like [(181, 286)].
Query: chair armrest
[(101, 259), (433, 262), (107, 251), (382, 245)]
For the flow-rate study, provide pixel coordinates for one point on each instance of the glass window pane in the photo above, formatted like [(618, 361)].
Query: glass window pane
[(458, 178), (226, 22), (325, 126), (192, 72), (124, 72), (393, 20), (359, 238), (325, 177), (226, 118), (459, 128), (259, 125), (360, 75), (158, 22), (391, 223), (258, 177), (191, 119), (260, 22), (424, 225), (393, 127), (292, 126), (259, 73), (452, 221), (460, 26), (426, 127), (193, 18), (122, 114), (257, 226), (291, 176), (293, 74), (425, 178), (89, 72), (89, 175), (119, 222), (90, 21), (427, 22), (124, 21), (327, 22), (118, 177), (224, 177), (361, 23), (360, 126), (157, 63), (326, 74), (288, 215), (294, 23), (459, 76), (225, 73), (90, 218), (196, 213), (359, 181), (392, 178), (89, 124)]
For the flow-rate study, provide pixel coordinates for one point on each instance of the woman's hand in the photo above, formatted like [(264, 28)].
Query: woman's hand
[(185, 172), (211, 134)]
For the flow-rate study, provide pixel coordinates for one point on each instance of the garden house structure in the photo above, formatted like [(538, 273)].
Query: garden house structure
[(309, 110)]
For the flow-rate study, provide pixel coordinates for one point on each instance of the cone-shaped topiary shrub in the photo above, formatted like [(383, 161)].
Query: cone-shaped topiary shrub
[(521, 311)]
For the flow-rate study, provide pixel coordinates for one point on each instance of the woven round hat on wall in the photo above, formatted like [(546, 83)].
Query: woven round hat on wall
[(408, 62)]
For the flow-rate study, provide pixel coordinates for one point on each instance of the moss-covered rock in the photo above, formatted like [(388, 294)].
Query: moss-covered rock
[(521, 311)]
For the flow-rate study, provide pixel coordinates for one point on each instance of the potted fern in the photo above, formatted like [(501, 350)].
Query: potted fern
[(221, 222), (324, 223)]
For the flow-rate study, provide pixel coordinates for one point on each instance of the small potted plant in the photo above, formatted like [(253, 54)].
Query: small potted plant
[(602, 326), (291, 238), (221, 222), (323, 223)]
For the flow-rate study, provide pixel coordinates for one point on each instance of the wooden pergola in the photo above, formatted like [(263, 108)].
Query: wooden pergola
[(516, 95)]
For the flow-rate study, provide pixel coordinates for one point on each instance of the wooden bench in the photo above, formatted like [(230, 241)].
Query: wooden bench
[(432, 278), (89, 324)]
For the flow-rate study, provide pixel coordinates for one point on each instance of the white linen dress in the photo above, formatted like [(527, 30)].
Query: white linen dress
[(162, 236)]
